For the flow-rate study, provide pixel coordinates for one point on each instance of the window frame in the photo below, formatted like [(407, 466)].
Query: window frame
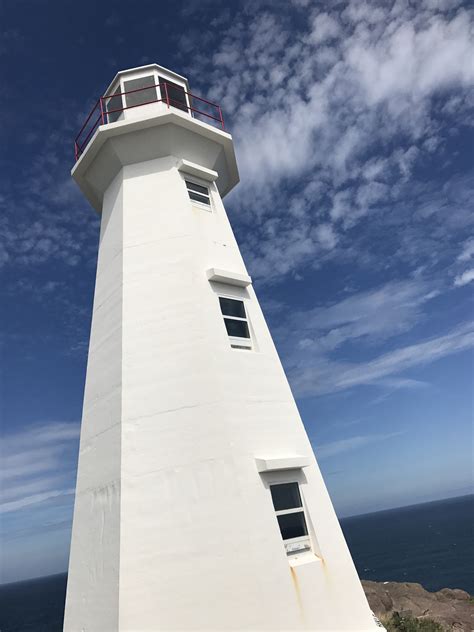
[(299, 545), (200, 183), (237, 342)]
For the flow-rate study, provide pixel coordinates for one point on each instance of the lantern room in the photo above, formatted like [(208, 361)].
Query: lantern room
[(151, 87), (145, 91), (148, 113)]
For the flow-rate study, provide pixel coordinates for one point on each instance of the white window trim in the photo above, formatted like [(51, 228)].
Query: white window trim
[(301, 545), (236, 341), (202, 183)]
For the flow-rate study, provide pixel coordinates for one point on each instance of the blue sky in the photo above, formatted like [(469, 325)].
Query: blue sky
[(353, 125)]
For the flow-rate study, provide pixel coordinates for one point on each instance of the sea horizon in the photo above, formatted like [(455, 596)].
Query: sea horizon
[(341, 519), (429, 543), (397, 507)]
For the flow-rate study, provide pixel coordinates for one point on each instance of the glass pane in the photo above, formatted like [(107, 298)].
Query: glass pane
[(231, 307), (114, 103), (197, 187), (143, 96), (237, 328), (292, 525), (286, 496), (199, 198), (176, 94)]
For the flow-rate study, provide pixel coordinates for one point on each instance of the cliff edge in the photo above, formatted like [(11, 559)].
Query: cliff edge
[(453, 609)]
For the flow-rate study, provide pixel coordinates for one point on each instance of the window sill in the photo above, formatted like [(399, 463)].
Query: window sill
[(240, 344), (201, 206), (304, 558)]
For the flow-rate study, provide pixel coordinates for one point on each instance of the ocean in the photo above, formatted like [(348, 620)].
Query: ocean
[(432, 544)]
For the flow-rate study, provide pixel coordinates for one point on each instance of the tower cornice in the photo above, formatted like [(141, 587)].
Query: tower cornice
[(168, 132)]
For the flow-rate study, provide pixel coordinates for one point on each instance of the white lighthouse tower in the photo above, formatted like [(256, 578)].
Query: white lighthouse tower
[(199, 503)]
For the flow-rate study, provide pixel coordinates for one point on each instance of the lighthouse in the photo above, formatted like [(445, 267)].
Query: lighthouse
[(199, 503)]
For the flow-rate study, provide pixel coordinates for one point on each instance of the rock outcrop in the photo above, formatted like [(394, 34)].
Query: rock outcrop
[(453, 609)]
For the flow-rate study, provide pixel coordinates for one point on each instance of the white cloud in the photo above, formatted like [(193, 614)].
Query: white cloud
[(16, 505), (316, 343), (35, 461), (373, 315), (334, 448), (349, 105), (322, 375), (415, 60), (464, 278), (467, 250), (326, 236), (324, 27)]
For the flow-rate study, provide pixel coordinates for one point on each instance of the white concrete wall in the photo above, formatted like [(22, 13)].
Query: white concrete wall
[(92, 601), (174, 527)]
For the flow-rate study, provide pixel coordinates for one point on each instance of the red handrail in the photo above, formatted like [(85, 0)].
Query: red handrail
[(103, 111)]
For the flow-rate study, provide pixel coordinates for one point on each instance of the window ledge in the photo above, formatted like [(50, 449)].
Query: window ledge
[(196, 170), (305, 558), (226, 276), (282, 463)]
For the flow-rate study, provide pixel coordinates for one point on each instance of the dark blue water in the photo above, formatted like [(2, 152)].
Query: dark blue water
[(432, 544), (36, 605)]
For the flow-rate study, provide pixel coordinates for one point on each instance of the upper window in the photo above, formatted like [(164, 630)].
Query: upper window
[(140, 91), (198, 193), (173, 93), (235, 320), (290, 515)]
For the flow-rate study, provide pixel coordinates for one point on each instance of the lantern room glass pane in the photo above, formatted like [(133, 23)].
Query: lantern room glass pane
[(146, 91), (114, 103), (286, 496), (176, 94)]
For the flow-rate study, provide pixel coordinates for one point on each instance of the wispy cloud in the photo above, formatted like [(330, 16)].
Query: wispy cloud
[(374, 315), (21, 503), (35, 462), (366, 338), (341, 446), (322, 375)]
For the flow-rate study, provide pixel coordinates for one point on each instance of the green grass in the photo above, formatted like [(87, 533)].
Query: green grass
[(398, 623)]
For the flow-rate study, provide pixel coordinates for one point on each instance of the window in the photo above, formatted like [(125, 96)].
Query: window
[(146, 91), (198, 193), (176, 94), (114, 103), (235, 320), (290, 515)]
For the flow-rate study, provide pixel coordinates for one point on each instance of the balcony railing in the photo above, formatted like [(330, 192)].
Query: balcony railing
[(106, 106)]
